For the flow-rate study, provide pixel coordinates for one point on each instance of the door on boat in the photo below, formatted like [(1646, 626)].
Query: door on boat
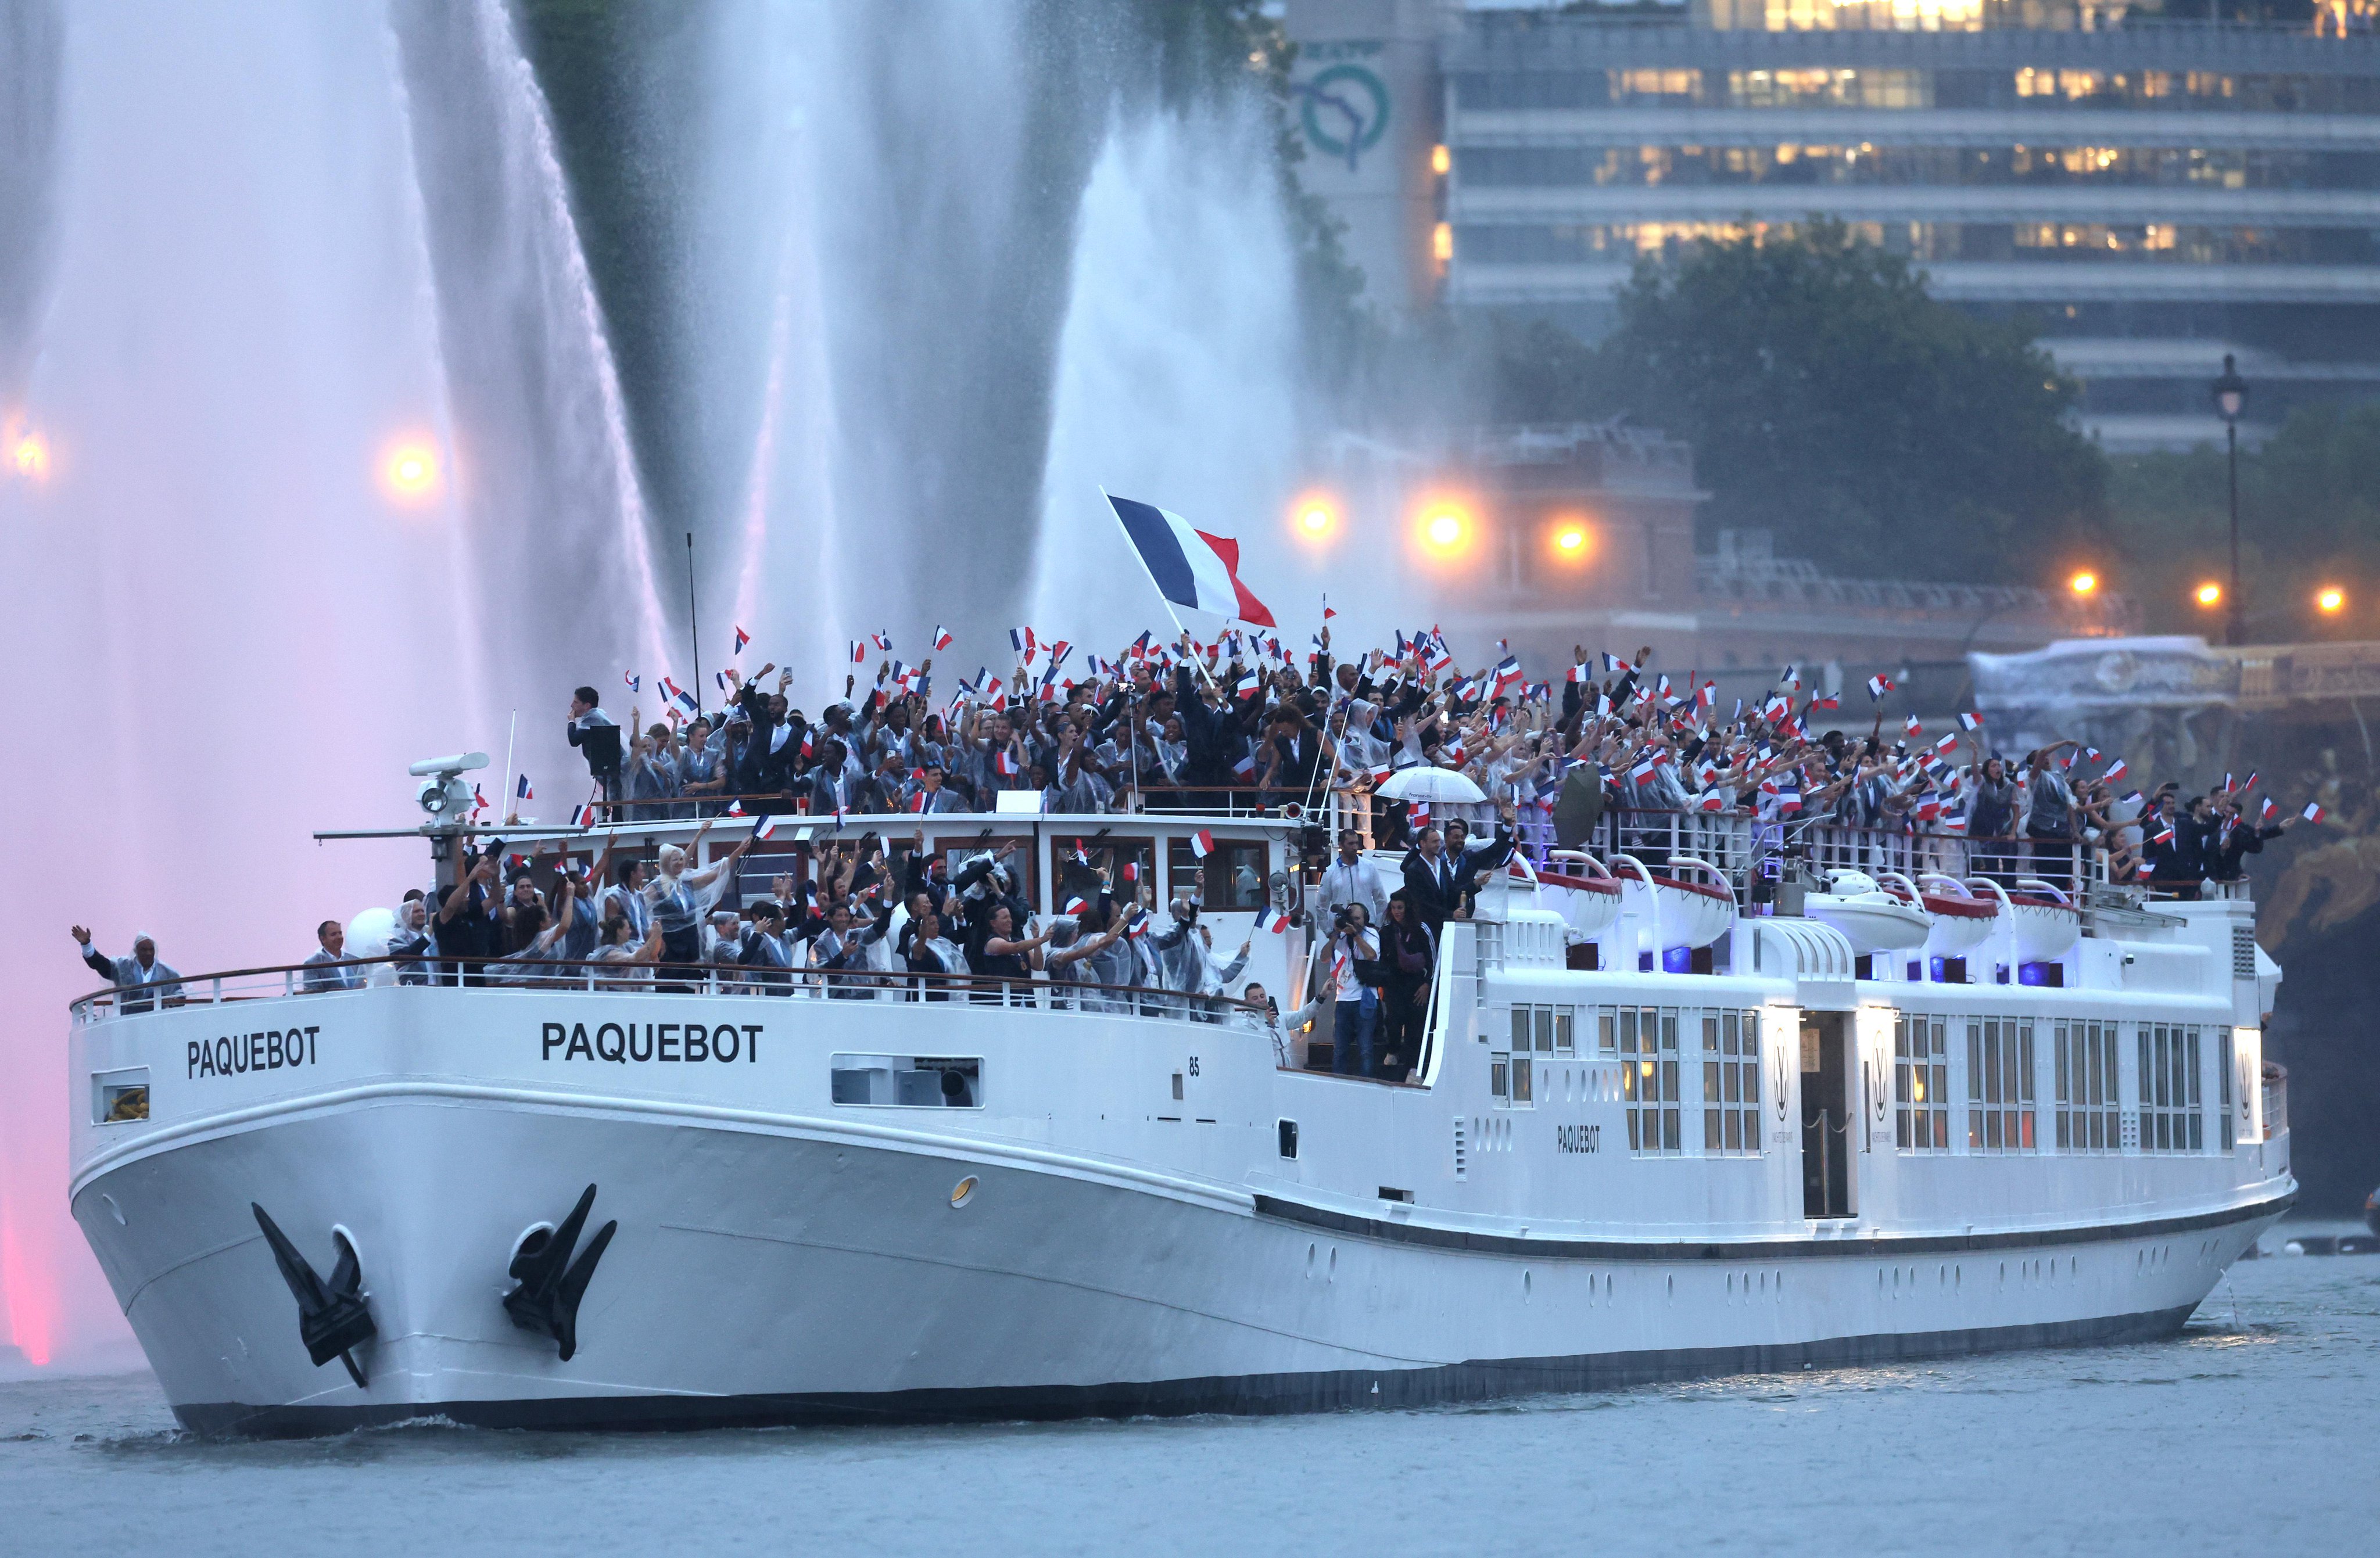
[(1827, 1119)]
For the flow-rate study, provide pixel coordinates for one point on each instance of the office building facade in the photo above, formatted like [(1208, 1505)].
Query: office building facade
[(2151, 194)]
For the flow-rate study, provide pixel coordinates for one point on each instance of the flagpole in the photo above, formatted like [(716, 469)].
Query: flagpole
[(510, 732), (694, 624)]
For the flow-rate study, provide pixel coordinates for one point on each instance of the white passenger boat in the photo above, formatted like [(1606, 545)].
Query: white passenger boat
[(578, 1206)]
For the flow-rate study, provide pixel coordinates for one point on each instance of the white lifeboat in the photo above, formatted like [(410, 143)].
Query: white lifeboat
[(2043, 922), (1675, 910), (1871, 919), (1961, 921), (1582, 891)]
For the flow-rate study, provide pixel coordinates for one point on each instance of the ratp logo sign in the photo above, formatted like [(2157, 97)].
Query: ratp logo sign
[(1344, 109)]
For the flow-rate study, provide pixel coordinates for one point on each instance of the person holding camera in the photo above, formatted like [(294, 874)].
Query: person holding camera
[(1352, 954)]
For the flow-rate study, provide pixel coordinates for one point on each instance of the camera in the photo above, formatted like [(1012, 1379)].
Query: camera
[(1342, 919), (443, 795)]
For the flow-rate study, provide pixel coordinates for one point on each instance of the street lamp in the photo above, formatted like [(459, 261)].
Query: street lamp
[(2230, 399)]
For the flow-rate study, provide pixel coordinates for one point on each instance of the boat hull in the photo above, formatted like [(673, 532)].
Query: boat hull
[(795, 1271)]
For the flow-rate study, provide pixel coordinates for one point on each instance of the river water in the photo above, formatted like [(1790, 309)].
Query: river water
[(2253, 1432)]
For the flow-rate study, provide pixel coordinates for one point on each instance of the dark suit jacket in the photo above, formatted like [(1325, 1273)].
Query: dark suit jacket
[(1434, 893), (824, 798)]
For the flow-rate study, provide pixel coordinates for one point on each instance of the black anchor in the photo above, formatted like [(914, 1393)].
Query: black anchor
[(551, 1282), (331, 1318)]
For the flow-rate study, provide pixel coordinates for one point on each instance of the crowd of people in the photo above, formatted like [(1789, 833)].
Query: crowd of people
[(1195, 727)]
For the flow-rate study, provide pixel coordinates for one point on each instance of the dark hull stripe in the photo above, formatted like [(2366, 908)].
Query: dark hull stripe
[(1243, 1395), (1854, 1248)]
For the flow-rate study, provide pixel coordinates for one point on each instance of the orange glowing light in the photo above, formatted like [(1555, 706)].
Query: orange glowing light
[(1445, 529), (2330, 600), (1571, 542), (1441, 160), (29, 457), (2084, 584), (2209, 594), (1315, 516)]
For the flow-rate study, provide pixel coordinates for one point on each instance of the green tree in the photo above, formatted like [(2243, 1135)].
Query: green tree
[(1830, 399)]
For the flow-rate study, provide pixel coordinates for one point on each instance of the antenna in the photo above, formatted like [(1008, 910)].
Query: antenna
[(694, 624)]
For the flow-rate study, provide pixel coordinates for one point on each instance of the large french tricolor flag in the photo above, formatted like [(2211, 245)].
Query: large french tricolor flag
[(1191, 567)]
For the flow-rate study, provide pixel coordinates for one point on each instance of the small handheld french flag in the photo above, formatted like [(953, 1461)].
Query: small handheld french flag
[(2313, 812), (521, 789), (880, 641), (1271, 919), (1202, 843), (765, 826), (858, 652), (943, 639), (584, 816), (742, 638), (636, 683), (1971, 720)]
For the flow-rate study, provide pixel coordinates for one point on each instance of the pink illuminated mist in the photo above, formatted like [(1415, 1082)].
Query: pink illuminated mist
[(250, 532)]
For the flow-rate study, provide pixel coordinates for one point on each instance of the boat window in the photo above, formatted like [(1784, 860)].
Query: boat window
[(1920, 1084), (1730, 1082), (120, 1097), (1606, 1034), (2224, 1140), (1499, 1075), (2171, 1094), (1999, 1085), (2089, 1116), (1234, 873), (1565, 1030), (1523, 1077), (1080, 865), (1534, 1027), (1021, 859), (1649, 1079), (918, 1081)]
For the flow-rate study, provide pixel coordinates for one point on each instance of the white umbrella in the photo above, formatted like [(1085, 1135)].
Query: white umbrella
[(1432, 784)]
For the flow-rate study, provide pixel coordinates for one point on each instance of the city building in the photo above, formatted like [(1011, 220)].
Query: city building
[(2152, 193), (1558, 537)]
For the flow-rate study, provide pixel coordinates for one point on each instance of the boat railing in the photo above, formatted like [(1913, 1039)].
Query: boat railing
[(1173, 800), (295, 981)]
